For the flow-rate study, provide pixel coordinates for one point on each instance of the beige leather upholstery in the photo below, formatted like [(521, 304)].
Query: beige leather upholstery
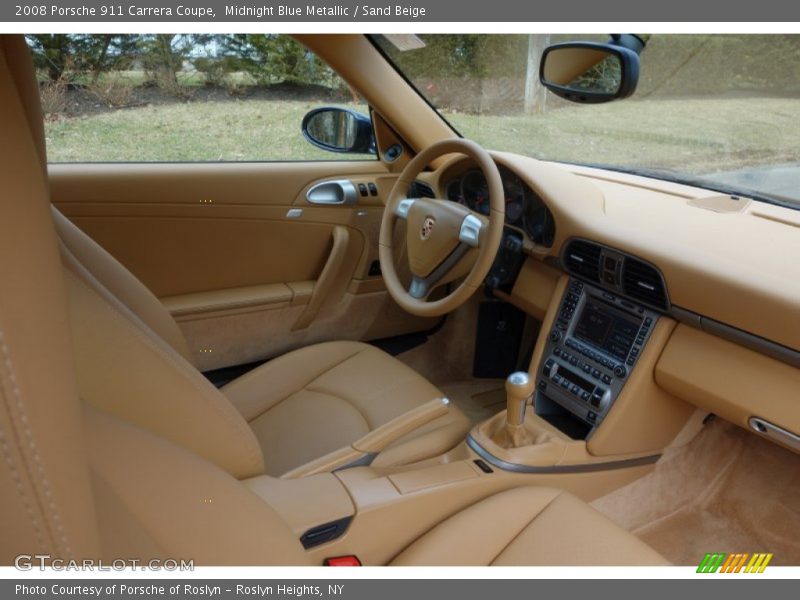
[(155, 499), (121, 283), (313, 401), (45, 495), (76, 482), (126, 370), (133, 361), (529, 526), (299, 406)]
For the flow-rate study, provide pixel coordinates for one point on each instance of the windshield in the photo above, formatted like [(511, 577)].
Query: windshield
[(716, 110)]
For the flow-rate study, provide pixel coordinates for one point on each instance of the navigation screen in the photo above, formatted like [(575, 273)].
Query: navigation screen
[(607, 328)]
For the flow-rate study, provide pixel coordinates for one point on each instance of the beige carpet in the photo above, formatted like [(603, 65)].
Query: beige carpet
[(726, 491), (447, 355)]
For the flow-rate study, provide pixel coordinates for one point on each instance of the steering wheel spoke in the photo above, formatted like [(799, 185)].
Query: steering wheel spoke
[(403, 207), (470, 233), (421, 286)]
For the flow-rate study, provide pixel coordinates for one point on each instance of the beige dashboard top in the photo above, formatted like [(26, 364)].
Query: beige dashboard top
[(734, 261)]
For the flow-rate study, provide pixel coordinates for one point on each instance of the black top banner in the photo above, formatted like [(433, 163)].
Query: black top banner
[(435, 11)]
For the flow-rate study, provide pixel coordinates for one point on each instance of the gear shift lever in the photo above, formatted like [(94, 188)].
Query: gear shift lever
[(519, 388), (512, 430)]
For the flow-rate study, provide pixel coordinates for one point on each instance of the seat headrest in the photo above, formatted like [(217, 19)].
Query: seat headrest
[(23, 75)]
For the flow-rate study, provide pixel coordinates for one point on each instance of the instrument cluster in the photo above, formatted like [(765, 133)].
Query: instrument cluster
[(524, 209)]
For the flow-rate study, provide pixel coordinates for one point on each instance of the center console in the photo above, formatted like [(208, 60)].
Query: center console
[(594, 344)]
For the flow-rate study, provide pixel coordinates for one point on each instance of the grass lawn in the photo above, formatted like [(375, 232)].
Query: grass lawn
[(197, 131), (690, 135), (693, 135)]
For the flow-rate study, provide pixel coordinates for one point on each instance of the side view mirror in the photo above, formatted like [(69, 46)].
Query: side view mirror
[(339, 130), (589, 72)]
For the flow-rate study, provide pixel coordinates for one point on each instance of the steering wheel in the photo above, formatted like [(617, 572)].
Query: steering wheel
[(445, 240)]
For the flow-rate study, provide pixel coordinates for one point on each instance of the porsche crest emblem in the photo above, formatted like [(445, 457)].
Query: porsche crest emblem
[(427, 227)]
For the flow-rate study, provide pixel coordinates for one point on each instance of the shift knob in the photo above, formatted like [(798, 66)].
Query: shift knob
[(519, 388)]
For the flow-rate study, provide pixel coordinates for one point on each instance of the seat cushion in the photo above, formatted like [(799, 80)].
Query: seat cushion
[(315, 400), (529, 526)]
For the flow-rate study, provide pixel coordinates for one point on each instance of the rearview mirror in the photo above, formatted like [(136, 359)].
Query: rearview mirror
[(589, 72), (339, 130)]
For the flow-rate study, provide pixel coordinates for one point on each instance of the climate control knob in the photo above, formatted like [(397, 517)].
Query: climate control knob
[(620, 371)]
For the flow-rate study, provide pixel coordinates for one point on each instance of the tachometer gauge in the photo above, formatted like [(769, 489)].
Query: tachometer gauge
[(475, 192), (453, 191)]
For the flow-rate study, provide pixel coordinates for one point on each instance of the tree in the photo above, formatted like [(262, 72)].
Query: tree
[(163, 56), (270, 59), (70, 56)]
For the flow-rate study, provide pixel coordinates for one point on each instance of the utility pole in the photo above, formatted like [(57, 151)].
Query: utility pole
[(535, 92)]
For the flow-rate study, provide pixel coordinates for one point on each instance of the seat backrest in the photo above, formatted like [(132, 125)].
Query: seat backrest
[(76, 481), (125, 369), (46, 502), (113, 276)]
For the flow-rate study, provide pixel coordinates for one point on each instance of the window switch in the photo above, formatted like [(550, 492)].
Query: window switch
[(362, 189), (373, 189)]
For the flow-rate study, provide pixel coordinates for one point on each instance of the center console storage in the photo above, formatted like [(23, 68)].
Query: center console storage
[(596, 340)]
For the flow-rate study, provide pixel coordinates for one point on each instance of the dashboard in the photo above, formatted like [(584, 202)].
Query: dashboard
[(662, 297), (524, 209)]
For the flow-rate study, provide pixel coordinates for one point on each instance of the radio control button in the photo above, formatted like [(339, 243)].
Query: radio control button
[(630, 361), (607, 379), (573, 360), (575, 389), (620, 371), (587, 368), (555, 335), (591, 416), (557, 351), (585, 396), (565, 383), (596, 373)]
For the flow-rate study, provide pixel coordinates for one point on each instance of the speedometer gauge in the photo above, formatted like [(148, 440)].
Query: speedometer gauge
[(475, 192), (515, 198), (514, 210)]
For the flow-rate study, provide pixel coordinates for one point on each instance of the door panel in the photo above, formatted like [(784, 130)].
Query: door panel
[(245, 278)]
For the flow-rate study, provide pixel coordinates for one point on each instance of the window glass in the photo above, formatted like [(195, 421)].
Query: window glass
[(183, 98), (719, 111)]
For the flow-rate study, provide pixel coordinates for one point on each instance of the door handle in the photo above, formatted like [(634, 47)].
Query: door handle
[(338, 191), (327, 279)]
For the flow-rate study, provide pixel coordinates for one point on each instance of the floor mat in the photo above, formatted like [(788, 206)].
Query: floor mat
[(726, 491), (479, 399)]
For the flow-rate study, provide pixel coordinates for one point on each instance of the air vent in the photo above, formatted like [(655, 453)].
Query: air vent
[(642, 282), (419, 189), (583, 259)]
